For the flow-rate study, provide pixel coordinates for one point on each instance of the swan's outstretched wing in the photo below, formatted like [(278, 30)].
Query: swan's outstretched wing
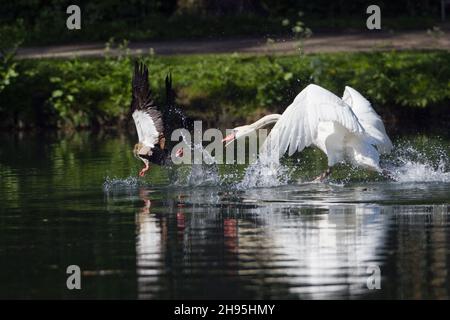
[(147, 118), (369, 119), (298, 126)]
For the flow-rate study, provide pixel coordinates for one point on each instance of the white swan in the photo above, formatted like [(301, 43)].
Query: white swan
[(346, 129)]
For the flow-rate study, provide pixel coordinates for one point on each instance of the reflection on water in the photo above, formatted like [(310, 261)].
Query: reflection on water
[(285, 249), (144, 239)]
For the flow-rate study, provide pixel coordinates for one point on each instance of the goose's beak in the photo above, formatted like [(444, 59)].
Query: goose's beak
[(144, 170), (229, 138)]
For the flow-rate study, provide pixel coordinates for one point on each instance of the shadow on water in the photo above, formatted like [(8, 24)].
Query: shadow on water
[(75, 200)]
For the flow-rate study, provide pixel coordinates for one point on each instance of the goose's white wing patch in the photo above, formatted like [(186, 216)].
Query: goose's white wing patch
[(146, 129)]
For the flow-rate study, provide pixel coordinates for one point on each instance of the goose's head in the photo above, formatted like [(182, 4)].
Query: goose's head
[(237, 133), (155, 155)]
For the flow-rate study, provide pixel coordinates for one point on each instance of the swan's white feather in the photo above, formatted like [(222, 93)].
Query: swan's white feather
[(298, 126), (368, 118), (344, 129)]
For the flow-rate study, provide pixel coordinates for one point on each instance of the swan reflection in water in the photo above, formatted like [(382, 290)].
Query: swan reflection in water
[(208, 244)]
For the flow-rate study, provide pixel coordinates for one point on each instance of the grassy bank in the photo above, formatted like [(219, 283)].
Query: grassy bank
[(404, 86)]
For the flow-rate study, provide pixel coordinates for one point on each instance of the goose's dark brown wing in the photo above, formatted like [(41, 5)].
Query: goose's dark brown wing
[(147, 118), (173, 116)]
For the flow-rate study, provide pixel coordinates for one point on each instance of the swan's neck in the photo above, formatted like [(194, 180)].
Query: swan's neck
[(265, 121)]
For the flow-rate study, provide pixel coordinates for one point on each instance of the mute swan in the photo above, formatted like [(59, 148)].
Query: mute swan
[(149, 120), (346, 129)]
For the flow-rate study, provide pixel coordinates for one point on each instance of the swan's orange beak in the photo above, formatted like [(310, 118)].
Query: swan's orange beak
[(229, 137)]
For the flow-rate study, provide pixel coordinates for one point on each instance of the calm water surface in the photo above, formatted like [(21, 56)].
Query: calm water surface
[(75, 200)]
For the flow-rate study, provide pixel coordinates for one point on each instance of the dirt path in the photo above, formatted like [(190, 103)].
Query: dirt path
[(317, 43)]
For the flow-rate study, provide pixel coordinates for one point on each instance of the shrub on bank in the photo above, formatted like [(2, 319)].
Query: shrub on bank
[(225, 88)]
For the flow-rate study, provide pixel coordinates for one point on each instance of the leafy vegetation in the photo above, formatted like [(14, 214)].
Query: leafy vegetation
[(11, 37), (219, 89)]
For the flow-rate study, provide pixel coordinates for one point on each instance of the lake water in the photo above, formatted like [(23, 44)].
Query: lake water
[(76, 200)]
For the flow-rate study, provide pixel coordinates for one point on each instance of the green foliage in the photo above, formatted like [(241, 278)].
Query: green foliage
[(96, 92), (389, 78), (11, 36)]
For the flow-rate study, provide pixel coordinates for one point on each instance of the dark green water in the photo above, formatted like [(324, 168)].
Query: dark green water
[(74, 200)]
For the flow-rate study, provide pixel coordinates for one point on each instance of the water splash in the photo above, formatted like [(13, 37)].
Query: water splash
[(421, 172), (411, 161), (203, 174), (265, 174), (112, 184), (410, 164)]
